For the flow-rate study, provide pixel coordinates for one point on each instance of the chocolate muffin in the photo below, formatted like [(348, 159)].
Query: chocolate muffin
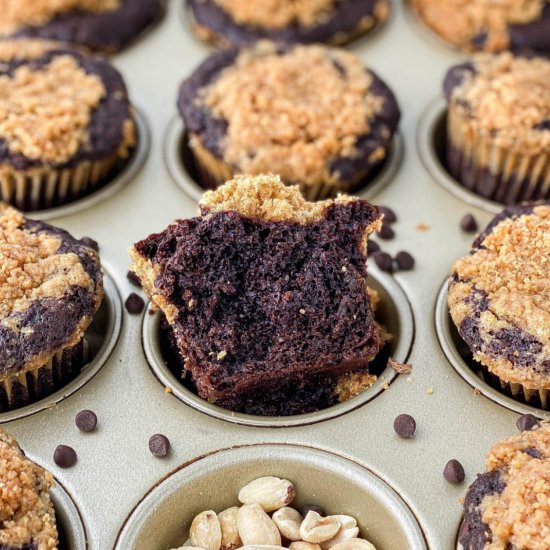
[(105, 25), (312, 114), (237, 23), (27, 515), (485, 25), (50, 289), (66, 125), (264, 289), (499, 299), (498, 127), (508, 506)]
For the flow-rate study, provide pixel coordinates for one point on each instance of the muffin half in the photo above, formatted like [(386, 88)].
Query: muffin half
[(312, 114), (50, 289)]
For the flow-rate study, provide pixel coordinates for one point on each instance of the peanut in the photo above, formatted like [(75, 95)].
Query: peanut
[(316, 528), (206, 531), (288, 522), (271, 493), (256, 527)]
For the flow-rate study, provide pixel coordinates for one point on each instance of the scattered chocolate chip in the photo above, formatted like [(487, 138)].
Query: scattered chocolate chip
[(87, 241), (312, 508), (134, 304), (86, 421), (133, 278), (544, 125), (386, 232), (454, 472), (527, 422), (404, 260), (401, 368), (389, 214), (468, 223), (159, 445), (383, 261), (404, 425), (64, 456), (372, 247), (479, 39)]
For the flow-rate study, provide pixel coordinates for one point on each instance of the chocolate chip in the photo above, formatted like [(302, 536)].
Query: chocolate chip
[(383, 261), (544, 125), (454, 472), (389, 214), (133, 278), (159, 445), (372, 247), (404, 260), (527, 422), (468, 223), (134, 304), (87, 241), (404, 425), (386, 232), (64, 456), (479, 39), (312, 508), (86, 421)]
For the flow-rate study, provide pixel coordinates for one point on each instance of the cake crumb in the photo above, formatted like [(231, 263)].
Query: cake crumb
[(168, 389), (401, 368), (422, 226), (409, 380), (222, 355), (302, 311), (430, 391), (477, 392)]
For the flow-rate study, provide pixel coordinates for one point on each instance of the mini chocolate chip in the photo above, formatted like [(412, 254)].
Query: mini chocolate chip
[(383, 261), (386, 232), (64, 456), (544, 125), (527, 422), (389, 214), (134, 304), (454, 472), (159, 445), (133, 278), (479, 39), (404, 260), (312, 508), (87, 241), (86, 421), (404, 425), (372, 247), (468, 223)]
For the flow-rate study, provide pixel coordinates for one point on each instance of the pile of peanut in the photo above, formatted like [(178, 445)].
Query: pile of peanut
[(251, 527)]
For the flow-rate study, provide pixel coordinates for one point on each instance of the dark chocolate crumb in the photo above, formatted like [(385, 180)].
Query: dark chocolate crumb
[(89, 242), (134, 304), (454, 472), (372, 247), (389, 214), (386, 232), (133, 278), (404, 425), (404, 260), (383, 261), (468, 223), (159, 445), (312, 508), (479, 39), (527, 422), (86, 421), (64, 456)]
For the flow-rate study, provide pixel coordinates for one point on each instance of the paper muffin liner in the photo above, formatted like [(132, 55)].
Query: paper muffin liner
[(18, 390), (494, 172)]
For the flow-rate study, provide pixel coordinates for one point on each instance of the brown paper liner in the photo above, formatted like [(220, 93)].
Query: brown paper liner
[(493, 172), (19, 390)]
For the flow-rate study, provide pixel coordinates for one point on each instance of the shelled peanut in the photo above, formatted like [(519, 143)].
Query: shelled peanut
[(265, 521)]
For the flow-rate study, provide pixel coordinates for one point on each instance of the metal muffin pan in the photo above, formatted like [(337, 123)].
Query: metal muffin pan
[(115, 468)]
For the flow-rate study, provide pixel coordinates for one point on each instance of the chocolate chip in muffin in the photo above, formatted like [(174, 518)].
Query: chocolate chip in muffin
[(134, 304), (454, 472), (404, 426), (64, 456), (91, 243)]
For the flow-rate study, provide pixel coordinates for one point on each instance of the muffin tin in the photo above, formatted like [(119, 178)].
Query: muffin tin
[(348, 458)]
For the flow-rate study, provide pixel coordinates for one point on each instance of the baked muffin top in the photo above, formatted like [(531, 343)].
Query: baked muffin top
[(59, 105), (505, 99), (27, 516), (499, 296), (50, 288)]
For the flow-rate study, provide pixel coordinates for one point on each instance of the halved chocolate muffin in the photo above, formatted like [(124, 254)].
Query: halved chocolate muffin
[(106, 25), (508, 506), (499, 299), (485, 25), (264, 289), (27, 515), (238, 23), (50, 289), (66, 124), (312, 114), (498, 127)]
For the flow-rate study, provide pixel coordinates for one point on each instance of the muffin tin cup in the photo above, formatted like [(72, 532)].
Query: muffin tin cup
[(181, 165), (393, 312), (101, 338), (457, 352), (161, 519)]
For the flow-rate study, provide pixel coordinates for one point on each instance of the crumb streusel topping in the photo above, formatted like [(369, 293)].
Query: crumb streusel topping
[(292, 113), (26, 511), (25, 49)]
